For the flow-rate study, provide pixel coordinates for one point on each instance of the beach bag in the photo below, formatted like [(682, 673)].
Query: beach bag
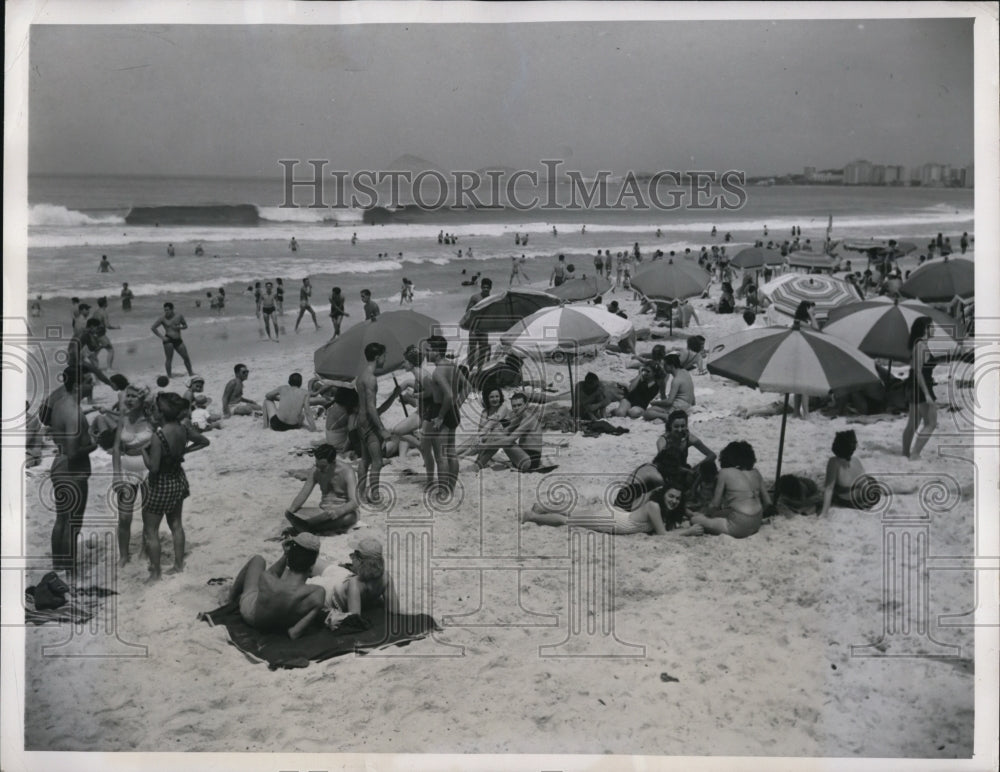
[(49, 593)]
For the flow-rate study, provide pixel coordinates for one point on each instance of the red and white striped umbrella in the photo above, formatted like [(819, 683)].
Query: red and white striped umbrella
[(789, 290), (880, 327), (792, 360)]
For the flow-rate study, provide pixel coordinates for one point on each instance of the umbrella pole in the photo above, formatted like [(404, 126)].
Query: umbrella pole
[(781, 440), (572, 392), (405, 411)]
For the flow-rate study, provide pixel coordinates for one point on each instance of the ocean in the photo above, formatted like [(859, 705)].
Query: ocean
[(74, 220)]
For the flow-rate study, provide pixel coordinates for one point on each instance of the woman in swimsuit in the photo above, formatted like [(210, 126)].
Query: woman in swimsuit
[(406, 433), (494, 418), (305, 303), (846, 483), (352, 589), (132, 435), (168, 485), (740, 497), (641, 391), (663, 518), (923, 410)]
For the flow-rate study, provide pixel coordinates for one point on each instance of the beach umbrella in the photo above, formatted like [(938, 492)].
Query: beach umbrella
[(565, 329), (754, 257), (670, 281), (939, 281), (581, 289), (343, 359), (790, 289), (880, 327), (498, 312), (792, 360), (811, 260)]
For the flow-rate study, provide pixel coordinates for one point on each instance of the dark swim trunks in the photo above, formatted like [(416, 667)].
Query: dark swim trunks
[(451, 418), (280, 426)]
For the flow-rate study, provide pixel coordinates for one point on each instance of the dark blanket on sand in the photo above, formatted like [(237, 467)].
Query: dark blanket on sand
[(320, 643)]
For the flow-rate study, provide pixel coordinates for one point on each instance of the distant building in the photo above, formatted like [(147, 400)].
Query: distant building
[(935, 175), (858, 173), (835, 176), (969, 178), (809, 172), (895, 175)]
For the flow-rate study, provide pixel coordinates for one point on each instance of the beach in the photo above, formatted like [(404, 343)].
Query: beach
[(705, 646)]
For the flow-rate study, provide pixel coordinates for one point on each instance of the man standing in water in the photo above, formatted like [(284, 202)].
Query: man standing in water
[(305, 293), (127, 296), (105, 265), (370, 423), (268, 306), (172, 324), (104, 342), (559, 272), (70, 473), (337, 312)]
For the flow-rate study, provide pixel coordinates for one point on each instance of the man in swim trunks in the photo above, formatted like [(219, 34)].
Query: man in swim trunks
[(370, 422), (521, 441), (233, 401), (103, 342), (372, 310), (449, 388), (71, 468), (338, 485), (305, 303), (172, 324), (337, 312), (126, 296), (268, 307), (287, 407), (105, 265), (278, 598), (479, 342), (81, 353), (559, 272)]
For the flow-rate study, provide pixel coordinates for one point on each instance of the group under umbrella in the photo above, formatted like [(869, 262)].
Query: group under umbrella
[(671, 281), (791, 360)]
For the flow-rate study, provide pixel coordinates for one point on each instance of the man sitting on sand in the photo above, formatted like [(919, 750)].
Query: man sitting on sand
[(591, 398), (278, 598), (233, 401), (521, 440), (338, 505), (287, 407)]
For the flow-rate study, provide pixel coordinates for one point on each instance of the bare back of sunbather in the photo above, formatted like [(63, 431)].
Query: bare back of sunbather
[(278, 603), (742, 491)]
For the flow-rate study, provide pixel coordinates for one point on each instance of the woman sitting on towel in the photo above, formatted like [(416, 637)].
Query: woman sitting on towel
[(664, 518), (352, 589), (740, 496)]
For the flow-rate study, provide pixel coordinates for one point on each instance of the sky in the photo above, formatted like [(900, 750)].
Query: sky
[(761, 96)]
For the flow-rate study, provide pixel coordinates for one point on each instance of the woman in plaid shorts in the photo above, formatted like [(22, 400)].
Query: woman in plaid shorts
[(168, 485)]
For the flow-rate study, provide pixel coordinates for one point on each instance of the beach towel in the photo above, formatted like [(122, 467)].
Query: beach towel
[(52, 601), (320, 643), (597, 428)]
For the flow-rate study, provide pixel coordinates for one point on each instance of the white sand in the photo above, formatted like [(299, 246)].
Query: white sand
[(757, 632)]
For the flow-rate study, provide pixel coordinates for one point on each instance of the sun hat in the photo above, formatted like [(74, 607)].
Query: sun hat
[(195, 379), (309, 541), (368, 548)]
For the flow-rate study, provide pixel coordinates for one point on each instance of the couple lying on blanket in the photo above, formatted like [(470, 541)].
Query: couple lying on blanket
[(292, 593)]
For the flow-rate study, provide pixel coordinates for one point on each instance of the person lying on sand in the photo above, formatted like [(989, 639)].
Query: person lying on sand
[(278, 598), (740, 498), (797, 495), (350, 590), (649, 517), (338, 485)]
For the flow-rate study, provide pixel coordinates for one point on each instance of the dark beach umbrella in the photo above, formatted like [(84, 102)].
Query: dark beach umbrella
[(881, 327), (791, 360), (669, 281), (753, 258), (498, 313), (581, 289), (811, 260), (344, 358), (939, 281)]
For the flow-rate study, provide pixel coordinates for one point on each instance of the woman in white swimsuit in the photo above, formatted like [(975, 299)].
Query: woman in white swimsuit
[(134, 433)]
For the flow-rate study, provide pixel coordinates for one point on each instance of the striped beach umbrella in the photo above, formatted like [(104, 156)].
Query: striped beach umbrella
[(790, 289), (498, 312), (581, 289), (565, 329), (343, 359), (880, 327), (939, 281), (791, 360), (755, 257)]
